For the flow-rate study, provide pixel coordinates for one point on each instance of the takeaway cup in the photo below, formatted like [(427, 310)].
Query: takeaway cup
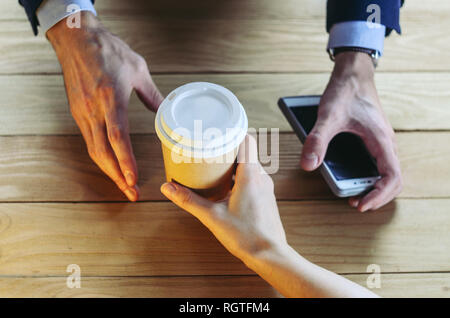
[(200, 126)]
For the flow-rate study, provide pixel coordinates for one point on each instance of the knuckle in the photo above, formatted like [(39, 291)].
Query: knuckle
[(383, 137), (244, 180), (395, 147), (400, 188), (115, 133), (268, 182), (92, 154), (140, 64), (383, 144), (392, 134), (120, 184), (397, 176), (219, 212), (399, 182), (86, 108), (75, 113), (314, 137), (99, 153), (185, 198), (314, 141)]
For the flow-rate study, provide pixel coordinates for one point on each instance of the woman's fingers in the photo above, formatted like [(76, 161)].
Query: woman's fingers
[(248, 164), (198, 206)]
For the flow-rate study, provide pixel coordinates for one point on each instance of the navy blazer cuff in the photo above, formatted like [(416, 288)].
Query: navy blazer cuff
[(356, 10), (31, 7)]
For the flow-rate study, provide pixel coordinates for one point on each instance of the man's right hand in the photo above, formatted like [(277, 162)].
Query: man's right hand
[(350, 103), (100, 72)]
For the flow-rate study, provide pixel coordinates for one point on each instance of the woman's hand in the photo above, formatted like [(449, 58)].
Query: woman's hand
[(248, 225), (100, 72), (248, 222)]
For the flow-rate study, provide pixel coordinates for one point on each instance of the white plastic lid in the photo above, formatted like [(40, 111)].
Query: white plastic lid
[(201, 120)]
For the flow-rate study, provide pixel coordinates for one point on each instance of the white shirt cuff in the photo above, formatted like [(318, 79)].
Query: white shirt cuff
[(51, 12), (362, 34)]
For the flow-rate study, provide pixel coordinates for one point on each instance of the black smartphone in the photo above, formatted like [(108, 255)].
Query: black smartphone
[(348, 167)]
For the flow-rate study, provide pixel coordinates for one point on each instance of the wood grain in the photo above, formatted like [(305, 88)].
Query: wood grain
[(193, 9), (37, 104), (422, 285), (261, 50), (136, 287), (58, 168), (192, 46), (157, 238), (226, 9), (393, 285)]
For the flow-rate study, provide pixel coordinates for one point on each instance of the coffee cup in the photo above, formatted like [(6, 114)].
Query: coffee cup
[(200, 126)]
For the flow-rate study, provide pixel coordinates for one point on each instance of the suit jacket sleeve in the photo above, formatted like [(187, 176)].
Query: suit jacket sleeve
[(31, 7), (356, 10)]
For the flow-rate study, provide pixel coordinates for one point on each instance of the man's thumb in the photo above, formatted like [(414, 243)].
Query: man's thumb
[(148, 92), (315, 146)]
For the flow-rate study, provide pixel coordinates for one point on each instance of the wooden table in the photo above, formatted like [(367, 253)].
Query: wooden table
[(57, 208)]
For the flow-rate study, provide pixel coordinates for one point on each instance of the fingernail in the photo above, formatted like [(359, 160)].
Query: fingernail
[(354, 203), (131, 194), (312, 157), (363, 209), (137, 190), (168, 188), (129, 177)]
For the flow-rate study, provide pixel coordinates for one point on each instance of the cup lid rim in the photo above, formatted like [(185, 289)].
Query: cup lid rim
[(177, 140)]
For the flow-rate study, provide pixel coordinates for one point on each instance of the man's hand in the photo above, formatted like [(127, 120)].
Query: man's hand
[(350, 104), (100, 72)]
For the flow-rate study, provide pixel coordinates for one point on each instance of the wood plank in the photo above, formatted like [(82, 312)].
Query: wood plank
[(393, 285), (185, 45), (420, 285), (181, 45), (63, 170), (136, 287), (37, 104), (193, 9), (227, 9), (157, 238)]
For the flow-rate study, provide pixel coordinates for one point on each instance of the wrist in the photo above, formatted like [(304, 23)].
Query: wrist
[(353, 64), (61, 33), (259, 259)]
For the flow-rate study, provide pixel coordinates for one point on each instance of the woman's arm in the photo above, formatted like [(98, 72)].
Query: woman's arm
[(249, 226), (294, 276)]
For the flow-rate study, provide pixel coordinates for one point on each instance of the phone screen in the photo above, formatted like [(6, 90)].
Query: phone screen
[(347, 156)]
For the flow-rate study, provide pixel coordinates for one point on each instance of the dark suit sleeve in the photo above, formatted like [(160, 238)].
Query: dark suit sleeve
[(31, 7), (356, 10)]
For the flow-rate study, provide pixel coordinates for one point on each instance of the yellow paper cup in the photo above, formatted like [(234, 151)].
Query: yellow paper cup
[(200, 126)]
